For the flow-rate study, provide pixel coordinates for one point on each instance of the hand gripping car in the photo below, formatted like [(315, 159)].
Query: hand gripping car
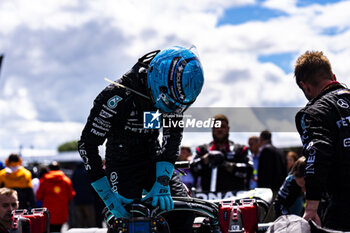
[(244, 212)]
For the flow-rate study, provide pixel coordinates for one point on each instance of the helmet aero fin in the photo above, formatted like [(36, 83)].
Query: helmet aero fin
[(174, 79)]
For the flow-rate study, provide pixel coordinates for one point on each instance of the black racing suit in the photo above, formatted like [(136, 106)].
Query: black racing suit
[(233, 155), (131, 150), (324, 126)]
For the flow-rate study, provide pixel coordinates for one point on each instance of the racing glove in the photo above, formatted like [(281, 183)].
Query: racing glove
[(160, 192), (112, 200)]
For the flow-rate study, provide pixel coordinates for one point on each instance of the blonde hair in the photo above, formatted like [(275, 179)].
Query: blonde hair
[(8, 192)]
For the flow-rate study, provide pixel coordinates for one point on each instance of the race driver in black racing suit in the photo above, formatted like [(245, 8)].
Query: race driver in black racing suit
[(164, 82)]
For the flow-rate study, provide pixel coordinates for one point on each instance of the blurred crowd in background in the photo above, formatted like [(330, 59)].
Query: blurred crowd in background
[(217, 166)]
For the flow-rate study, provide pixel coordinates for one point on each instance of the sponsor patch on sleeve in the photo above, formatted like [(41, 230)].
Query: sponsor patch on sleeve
[(113, 102), (105, 114)]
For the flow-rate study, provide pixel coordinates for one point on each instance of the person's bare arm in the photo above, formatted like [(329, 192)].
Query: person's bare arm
[(311, 211)]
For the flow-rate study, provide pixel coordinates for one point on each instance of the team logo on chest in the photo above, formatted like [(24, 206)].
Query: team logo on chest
[(342, 103)]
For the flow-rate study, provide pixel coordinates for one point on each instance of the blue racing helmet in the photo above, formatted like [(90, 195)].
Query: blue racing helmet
[(174, 79)]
